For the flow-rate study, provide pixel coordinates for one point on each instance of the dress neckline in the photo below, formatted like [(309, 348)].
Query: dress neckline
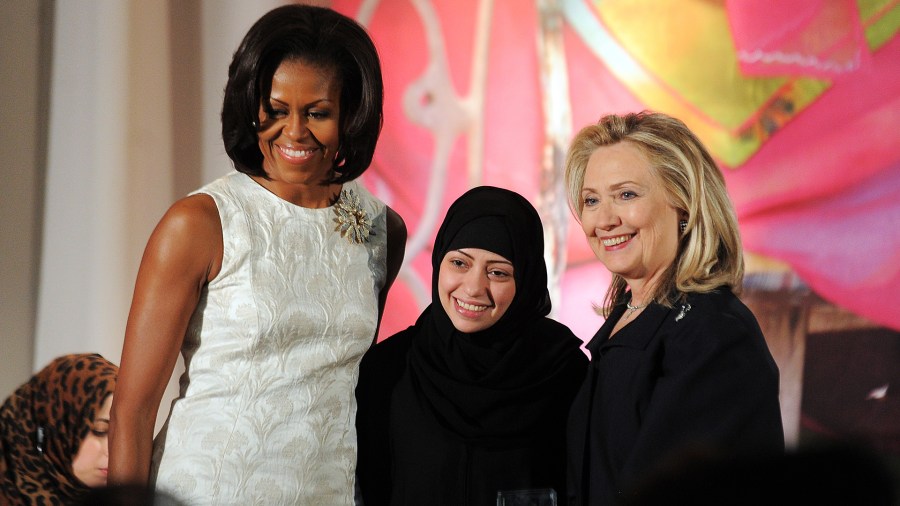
[(288, 203)]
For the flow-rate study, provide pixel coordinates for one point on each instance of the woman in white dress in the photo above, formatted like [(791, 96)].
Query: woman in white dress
[(270, 281)]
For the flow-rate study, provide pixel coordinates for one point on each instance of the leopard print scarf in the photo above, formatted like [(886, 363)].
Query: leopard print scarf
[(42, 425)]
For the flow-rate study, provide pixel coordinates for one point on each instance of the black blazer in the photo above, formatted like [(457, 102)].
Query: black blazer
[(698, 375)]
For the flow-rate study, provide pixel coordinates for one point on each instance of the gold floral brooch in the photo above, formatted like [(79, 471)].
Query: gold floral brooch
[(352, 221)]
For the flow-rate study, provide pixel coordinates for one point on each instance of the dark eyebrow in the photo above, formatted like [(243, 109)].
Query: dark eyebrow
[(461, 252), (311, 104)]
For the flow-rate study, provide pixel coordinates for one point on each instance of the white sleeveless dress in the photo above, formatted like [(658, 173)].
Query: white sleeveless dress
[(266, 408)]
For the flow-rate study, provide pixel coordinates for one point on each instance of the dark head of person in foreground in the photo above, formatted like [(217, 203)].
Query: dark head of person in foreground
[(838, 472)]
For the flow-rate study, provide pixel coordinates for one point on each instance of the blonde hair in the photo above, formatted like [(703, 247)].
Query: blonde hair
[(709, 252)]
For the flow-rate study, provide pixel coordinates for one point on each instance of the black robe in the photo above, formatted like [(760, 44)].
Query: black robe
[(407, 456)]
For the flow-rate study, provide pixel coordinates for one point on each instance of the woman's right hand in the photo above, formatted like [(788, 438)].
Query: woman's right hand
[(183, 254)]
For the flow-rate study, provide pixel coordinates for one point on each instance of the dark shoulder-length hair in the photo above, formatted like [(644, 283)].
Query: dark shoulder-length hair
[(318, 37)]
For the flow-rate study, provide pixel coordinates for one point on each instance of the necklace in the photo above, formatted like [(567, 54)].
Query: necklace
[(632, 309)]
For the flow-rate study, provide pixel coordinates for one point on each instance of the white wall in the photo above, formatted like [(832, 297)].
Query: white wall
[(24, 58), (135, 98)]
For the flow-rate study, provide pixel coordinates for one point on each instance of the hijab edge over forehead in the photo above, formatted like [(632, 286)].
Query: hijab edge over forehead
[(489, 206), (489, 233)]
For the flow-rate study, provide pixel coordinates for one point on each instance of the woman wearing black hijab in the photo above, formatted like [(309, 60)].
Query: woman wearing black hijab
[(472, 400)]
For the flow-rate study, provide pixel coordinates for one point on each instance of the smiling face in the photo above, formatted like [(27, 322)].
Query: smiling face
[(475, 287), (91, 461), (300, 136), (627, 218)]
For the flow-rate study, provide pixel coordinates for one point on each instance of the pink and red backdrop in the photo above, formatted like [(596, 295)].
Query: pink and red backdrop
[(810, 146)]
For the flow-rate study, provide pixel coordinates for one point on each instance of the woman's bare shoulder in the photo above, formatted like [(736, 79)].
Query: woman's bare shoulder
[(189, 235)]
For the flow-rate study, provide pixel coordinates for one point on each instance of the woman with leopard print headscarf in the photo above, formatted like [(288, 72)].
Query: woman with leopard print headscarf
[(53, 432)]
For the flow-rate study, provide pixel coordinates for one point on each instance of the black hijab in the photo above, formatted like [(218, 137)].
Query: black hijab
[(495, 386)]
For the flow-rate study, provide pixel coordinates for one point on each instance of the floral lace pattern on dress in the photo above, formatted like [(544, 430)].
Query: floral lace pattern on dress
[(266, 412)]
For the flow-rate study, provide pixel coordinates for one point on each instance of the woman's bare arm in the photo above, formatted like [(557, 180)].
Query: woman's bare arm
[(183, 253)]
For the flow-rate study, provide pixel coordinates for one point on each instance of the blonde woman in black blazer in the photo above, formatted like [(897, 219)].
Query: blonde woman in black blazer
[(680, 364)]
